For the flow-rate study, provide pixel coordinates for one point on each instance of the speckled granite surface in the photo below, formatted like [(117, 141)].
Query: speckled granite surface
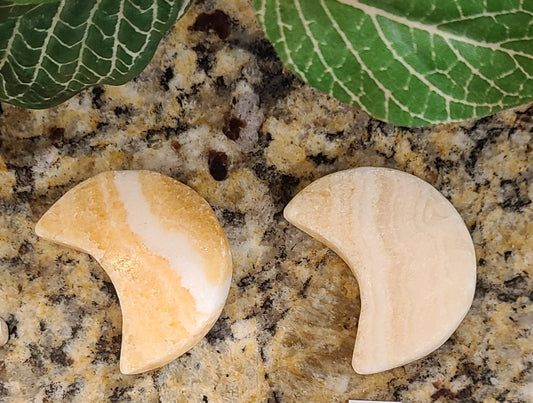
[(216, 110)]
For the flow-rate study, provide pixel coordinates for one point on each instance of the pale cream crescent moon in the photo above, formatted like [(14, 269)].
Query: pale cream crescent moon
[(162, 247), (410, 251)]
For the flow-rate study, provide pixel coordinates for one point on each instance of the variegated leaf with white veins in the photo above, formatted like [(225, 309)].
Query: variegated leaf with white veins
[(413, 62), (51, 51)]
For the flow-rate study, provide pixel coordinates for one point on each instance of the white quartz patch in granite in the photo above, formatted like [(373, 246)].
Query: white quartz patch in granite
[(247, 109), (243, 329), (227, 60)]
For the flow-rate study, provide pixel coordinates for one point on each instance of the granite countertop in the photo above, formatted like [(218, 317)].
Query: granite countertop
[(216, 110)]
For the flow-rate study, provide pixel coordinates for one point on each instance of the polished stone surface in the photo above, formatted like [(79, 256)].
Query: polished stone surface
[(216, 110)]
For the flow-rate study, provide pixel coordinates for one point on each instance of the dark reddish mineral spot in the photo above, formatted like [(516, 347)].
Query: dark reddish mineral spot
[(218, 165), (217, 21), (233, 128)]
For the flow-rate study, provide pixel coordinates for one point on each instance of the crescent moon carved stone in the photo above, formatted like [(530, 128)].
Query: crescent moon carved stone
[(162, 247), (410, 251)]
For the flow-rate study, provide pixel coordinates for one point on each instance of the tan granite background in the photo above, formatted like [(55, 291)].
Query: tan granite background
[(217, 110)]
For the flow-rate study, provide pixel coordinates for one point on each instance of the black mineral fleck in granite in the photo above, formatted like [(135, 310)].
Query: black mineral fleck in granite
[(514, 198), (261, 48), (233, 217), (58, 356), (205, 57), (246, 280), (73, 389), (108, 288), (321, 158), (281, 185), (98, 101), (220, 331), (166, 77), (277, 397), (154, 138), (305, 287), (283, 189), (25, 182), (120, 395), (514, 288), (276, 82), (107, 350), (333, 136), (507, 254), (3, 390), (57, 136), (12, 323), (122, 110), (265, 286)]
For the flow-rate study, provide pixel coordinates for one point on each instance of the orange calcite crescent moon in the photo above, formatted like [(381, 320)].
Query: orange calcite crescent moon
[(162, 247)]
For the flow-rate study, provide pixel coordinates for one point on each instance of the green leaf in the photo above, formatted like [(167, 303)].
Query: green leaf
[(51, 51), (409, 62), (32, 1)]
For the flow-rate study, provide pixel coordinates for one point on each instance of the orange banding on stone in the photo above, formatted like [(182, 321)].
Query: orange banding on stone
[(162, 247)]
